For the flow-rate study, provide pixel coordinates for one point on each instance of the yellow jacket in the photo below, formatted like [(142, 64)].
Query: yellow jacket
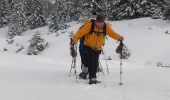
[(93, 40)]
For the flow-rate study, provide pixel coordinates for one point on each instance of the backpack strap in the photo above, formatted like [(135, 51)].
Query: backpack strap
[(104, 29), (92, 26)]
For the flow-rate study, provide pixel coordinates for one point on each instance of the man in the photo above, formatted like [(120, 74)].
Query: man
[(84, 68), (93, 42)]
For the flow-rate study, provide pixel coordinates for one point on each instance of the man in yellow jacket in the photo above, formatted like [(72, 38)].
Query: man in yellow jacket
[(93, 42)]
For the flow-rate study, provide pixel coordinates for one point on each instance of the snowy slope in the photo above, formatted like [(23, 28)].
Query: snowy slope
[(45, 77)]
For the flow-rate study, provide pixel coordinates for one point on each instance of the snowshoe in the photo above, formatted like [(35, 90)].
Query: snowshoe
[(99, 69), (83, 75), (94, 82)]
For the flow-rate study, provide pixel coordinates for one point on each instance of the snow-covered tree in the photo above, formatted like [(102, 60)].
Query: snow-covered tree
[(128, 9), (56, 24), (28, 8), (47, 7), (88, 7), (3, 12), (68, 10), (61, 10), (104, 7), (153, 8), (74, 9), (167, 11), (37, 44), (60, 15), (17, 20), (34, 13), (97, 6)]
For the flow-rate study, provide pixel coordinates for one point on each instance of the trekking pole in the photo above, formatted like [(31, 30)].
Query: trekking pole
[(101, 67), (75, 70), (121, 72), (74, 55), (105, 61), (71, 67)]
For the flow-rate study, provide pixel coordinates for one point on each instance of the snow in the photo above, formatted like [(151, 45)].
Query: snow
[(45, 77)]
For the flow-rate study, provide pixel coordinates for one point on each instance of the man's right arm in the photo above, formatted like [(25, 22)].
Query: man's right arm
[(81, 32)]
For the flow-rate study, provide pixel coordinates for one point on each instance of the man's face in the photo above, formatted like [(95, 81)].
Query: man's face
[(99, 24)]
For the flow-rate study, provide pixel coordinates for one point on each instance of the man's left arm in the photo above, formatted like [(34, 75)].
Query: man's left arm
[(113, 34)]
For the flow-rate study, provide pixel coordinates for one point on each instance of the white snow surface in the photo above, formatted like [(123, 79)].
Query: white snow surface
[(45, 77)]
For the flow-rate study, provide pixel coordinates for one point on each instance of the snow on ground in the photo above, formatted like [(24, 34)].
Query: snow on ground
[(45, 77)]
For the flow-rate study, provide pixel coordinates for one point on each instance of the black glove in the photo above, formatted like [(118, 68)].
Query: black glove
[(73, 51), (121, 38), (120, 48)]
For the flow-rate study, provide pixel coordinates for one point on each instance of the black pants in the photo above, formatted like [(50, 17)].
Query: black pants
[(92, 58), (83, 56)]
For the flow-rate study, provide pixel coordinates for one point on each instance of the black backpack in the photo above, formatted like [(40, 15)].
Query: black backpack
[(81, 46)]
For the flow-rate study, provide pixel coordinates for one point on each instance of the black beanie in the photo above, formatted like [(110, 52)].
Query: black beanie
[(100, 18)]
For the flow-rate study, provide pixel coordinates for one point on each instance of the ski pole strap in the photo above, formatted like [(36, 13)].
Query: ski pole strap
[(73, 51), (71, 43)]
